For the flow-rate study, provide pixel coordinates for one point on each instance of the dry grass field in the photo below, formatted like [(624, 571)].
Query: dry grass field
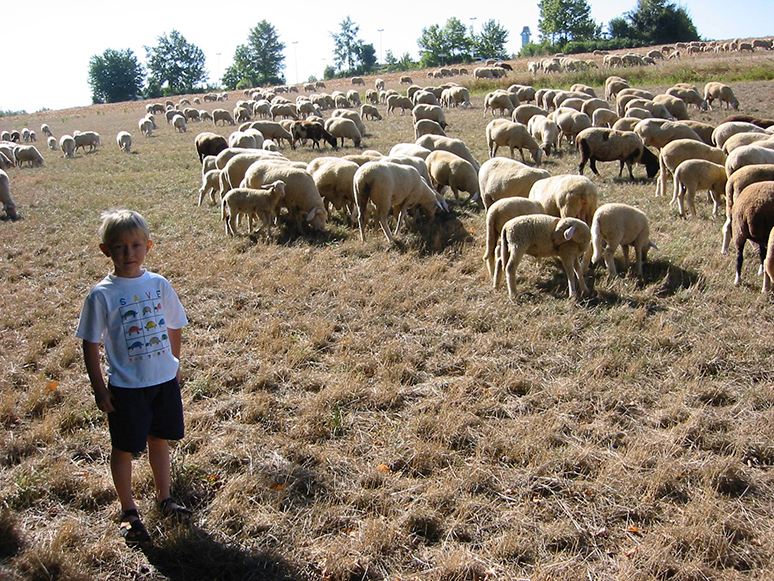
[(359, 411)]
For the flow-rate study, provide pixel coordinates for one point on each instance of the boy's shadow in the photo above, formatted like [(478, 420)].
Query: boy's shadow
[(191, 553)]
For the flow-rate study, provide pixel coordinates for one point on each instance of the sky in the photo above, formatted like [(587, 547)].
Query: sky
[(49, 43)]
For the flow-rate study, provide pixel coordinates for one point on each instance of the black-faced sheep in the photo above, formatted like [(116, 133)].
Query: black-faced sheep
[(543, 236), (602, 144), (753, 219), (255, 203), (311, 130), (621, 225)]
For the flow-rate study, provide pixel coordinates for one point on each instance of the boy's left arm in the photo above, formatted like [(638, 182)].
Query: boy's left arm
[(175, 341)]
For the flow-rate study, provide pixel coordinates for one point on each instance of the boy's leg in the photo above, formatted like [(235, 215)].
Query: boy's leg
[(121, 469), (158, 455)]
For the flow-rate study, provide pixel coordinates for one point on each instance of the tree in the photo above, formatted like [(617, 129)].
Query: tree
[(447, 45), (350, 54), (490, 43), (115, 76), (176, 63), (655, 21), (564, 20), (394, 64), (259, 62)]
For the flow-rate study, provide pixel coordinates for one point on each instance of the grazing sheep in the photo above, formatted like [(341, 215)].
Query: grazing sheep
[(67, 145), (302, 199), (456, 146), (690, 95), (523, 113), (358, 81), (427, 127), (28, 154), (333, 177), (210, 185), (124, 141), (179, 123), (674, 105), (497, 215), (222, 115), (567, 196), (270, 130), (626, 123), (234, 167), (602, 144), (261, 203), (723, 93), (389, 186), (500, 100), (311, 130), (448, 169), (208, 143), (52, 144), (342, 128), (369, 112), (571, 123), (745, 138), (46, 130), (738, 181), (753, 219), (432, 112), (543, 236), (352, 116), (545, 132), (501, 177), (145, 126), (693, 175), (621, 225), (676, 152), (9, 206), (658, 132), (730, 128), (748, 155), (502, 132), (25, 134), (90, 138), (604, 118), (703, 130)]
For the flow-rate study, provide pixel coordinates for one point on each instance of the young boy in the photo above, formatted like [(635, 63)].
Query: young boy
[(138, 316)]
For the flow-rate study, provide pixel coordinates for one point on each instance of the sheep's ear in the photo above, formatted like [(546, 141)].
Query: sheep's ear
[(569, 232), (311, 214)]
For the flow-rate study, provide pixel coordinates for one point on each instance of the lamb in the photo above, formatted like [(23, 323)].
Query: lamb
[(302, 199), (9, 206), (333, 177), (369, 112), (502, 132), (448, 169), (179, 123), (621, 225), (52, 144), (725, 130), (90, 138), (456, 146), (567, 196), (723, 93), (753, 219), (210, 185), (602, 144), (261, 202), (222, 115), (497, 215), (501, 177), (342, 128), (657, 132), (748, 155), (391, 186), (29, 154), (124, 141), (676, 152), (543, 236), (67, 145), (738, 181), (208, 143), (693, 175), (432, 112)]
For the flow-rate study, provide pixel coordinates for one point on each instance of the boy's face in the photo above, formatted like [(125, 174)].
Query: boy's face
[(127, 252)]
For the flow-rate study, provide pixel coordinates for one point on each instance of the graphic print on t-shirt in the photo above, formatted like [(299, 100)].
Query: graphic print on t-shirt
[(144, 327)]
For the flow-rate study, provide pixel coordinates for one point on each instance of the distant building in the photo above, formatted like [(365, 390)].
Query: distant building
[(526, 35)]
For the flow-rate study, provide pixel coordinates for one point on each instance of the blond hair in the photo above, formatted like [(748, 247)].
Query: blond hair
[(116, 222)]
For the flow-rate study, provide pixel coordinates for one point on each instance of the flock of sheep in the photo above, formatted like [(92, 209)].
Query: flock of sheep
[(528, 211)]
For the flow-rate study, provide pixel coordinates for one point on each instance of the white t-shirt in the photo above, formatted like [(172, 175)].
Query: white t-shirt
[(131, 316)]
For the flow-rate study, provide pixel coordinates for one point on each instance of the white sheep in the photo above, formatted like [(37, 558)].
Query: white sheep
[(234, 167), (343, 128), (146, 126), (46, 130), (124, 141), (500, 100), (543, 236), (728, 129), (723, 93), (693, 175), (452, 144), (744, 138), (604, 118), (566, 196), (676, 152), (222, 115), (9, 206), (52, 144), (497, 215), (333, 177), (545, 132), (84, 138), (748, 155), (571, 123), (391, 186), (738, 181), (501, 177), (427, 127), (179, 123), (432, 112), (658, 132), (626, 147), (621, 225), (753, 219), (67, 145), (502, 132), (369, 112), (210, 185), (261, 203), (411, 149), (523, 113), (448, 169), (28, 154)]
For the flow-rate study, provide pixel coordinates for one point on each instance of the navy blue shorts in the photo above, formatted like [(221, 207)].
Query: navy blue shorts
[(145, 411)]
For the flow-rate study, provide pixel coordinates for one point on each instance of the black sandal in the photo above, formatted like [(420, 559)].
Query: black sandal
[(133, 531), (170, 508)]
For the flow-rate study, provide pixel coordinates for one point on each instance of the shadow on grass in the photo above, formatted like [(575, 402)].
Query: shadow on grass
[(194, 554)]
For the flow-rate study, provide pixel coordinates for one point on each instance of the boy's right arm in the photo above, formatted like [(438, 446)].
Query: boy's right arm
[(93, 368)]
